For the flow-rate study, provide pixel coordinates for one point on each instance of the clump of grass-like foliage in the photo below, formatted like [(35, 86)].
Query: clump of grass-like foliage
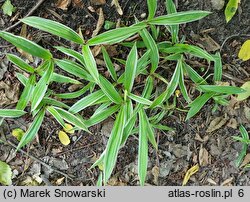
[(135, 114)]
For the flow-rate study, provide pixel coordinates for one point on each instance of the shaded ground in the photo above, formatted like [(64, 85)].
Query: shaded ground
[(191, 142)]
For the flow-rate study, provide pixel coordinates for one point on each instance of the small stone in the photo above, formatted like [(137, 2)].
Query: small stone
[(218, 4), (143, 15)]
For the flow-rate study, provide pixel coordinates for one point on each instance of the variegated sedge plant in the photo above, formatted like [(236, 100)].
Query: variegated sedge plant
[(135, 114)]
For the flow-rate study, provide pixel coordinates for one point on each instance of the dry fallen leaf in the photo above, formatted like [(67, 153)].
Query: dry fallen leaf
[(232, 123), (246, 87), (117, 6), (98, 2), (18, 133), (189, 173), (245, 161), (100, 23), (211, 181), (59, 181), (9, 93), (64, 138), (203, 157), (68, 128), (155, 173), (244, 53), (78, 3), (216, 124), (227, 182), (63, 4)]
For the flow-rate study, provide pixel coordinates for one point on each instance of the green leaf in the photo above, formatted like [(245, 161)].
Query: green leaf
[(5, 174), (242, 155), (71, 118), (182, 85), (75, 94), (109, 64), (194, 76), (130, 124), (143, 149), (141, 66), (113, 144), (246, 94), (179, 18), (26, 45), (11, 113), (42, 86), (74, 69), (171, 86), (90, 63), (33, 129), (56, 115), (110, 90), (152, 6), (231, 9), (130, 69), (54, 28), (116, 35), (217, 67), (244, 132), (51, 101), (99, 181), (221, 89), (86, 101), (20, 63), (150, 130), (152, 46), (23, 79), (186, 48), (139, 99), (63, 79), (102, 115), (174, 29), (71, 53), (8, 8), (197, 104), (27, 93)]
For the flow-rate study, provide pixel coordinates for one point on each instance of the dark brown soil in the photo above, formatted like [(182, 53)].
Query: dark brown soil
[(179, 150)]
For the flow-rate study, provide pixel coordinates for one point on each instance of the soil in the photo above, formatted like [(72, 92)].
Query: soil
[(189, 144)]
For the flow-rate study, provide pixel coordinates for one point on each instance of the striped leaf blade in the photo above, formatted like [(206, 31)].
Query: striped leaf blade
[(179, 18), (152, 6), (71, 118), (11, 113), (130, 69), (86, 101), (113, 144), (26, 94), (109, 64), (42, 86), (74, 69), (197, 104), (33, 129), (117, 35), (174, 29), (143, 148), (90, 63), (71, 53), (56, 115), (20, 63), (54, 28), (110, 90), (152, 46), (26, 45)]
